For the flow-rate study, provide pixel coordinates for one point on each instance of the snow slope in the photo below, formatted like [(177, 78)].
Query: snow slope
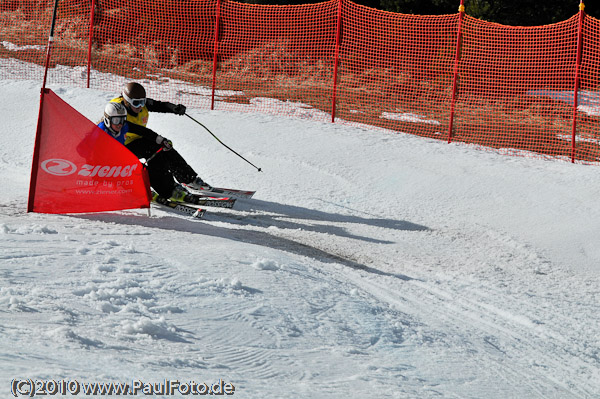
[(369, 264)]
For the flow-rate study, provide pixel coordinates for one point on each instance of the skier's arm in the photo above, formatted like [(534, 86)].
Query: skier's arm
[(164, 107), (143, 131), (151, 135)]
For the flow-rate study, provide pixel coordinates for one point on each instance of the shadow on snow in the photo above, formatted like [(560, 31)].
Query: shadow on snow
[(264, 214)]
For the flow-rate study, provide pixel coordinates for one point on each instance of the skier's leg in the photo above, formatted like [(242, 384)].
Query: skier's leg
[(161, 178), (181, 170)]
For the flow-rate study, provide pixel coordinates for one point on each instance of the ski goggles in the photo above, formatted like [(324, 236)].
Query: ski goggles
[(117, 120), (135, 102)]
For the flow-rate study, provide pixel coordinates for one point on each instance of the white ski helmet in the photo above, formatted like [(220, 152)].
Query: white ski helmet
[(114, 114)]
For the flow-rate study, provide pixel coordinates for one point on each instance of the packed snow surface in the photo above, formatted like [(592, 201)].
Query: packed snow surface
[(369, 264)]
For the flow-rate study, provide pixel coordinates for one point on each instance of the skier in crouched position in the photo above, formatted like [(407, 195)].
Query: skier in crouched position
[(167, 168)]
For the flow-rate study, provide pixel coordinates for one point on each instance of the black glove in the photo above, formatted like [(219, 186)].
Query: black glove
[(179, 109), (166, 144)]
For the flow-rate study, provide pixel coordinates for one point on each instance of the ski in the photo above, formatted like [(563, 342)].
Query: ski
[(222, 191), (179, 207), (220, 202)]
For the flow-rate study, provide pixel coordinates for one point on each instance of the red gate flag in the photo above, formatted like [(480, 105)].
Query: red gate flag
[(77, 167)]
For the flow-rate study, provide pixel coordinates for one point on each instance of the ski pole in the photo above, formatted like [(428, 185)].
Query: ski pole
[(152, 156), (224, 145)]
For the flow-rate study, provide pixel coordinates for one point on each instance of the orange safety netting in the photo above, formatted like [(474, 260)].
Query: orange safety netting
[(451, 77)]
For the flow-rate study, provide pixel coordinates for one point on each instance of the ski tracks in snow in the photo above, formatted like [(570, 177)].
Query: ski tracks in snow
[(386, 305), (470, 292)]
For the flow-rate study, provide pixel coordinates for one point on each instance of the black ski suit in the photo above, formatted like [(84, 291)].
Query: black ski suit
[(166, 165)]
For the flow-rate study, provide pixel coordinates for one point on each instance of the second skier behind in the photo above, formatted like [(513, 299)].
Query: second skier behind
[(168, 164)]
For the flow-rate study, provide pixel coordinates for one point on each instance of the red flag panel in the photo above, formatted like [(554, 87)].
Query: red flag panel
[(80, 168)]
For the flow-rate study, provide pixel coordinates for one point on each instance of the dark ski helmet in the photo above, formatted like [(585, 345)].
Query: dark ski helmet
[(114, 114), (135, 94)]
